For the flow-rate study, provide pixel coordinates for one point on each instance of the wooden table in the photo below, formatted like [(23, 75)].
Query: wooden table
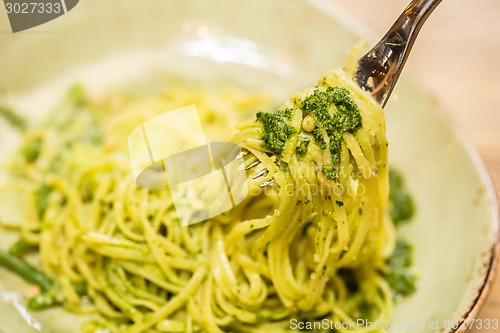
[(457, 57)]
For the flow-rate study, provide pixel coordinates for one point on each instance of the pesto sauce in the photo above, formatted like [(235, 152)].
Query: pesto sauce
[(346, 118), (301, 149), (329, 171), (277, 129), (401, 203), (400, 276)]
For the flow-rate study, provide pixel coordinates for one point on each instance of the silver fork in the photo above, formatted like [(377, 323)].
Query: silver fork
[(379, 69)]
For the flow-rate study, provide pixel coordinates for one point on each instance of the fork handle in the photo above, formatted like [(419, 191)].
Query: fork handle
[(379, 69)]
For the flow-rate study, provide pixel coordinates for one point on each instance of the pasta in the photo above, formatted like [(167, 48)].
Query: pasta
[(311, 245)]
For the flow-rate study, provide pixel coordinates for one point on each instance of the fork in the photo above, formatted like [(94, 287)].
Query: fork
[(379, 69)]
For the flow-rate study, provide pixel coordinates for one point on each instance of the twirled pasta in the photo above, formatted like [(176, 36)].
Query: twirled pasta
[(311, 245)]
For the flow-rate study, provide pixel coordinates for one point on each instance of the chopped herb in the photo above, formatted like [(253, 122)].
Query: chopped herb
[(339, 203)]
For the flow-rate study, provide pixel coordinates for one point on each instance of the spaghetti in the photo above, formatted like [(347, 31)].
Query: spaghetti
[(309, 246)]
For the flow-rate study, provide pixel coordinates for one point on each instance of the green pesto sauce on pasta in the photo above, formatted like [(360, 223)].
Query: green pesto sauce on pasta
[(317, 243)]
